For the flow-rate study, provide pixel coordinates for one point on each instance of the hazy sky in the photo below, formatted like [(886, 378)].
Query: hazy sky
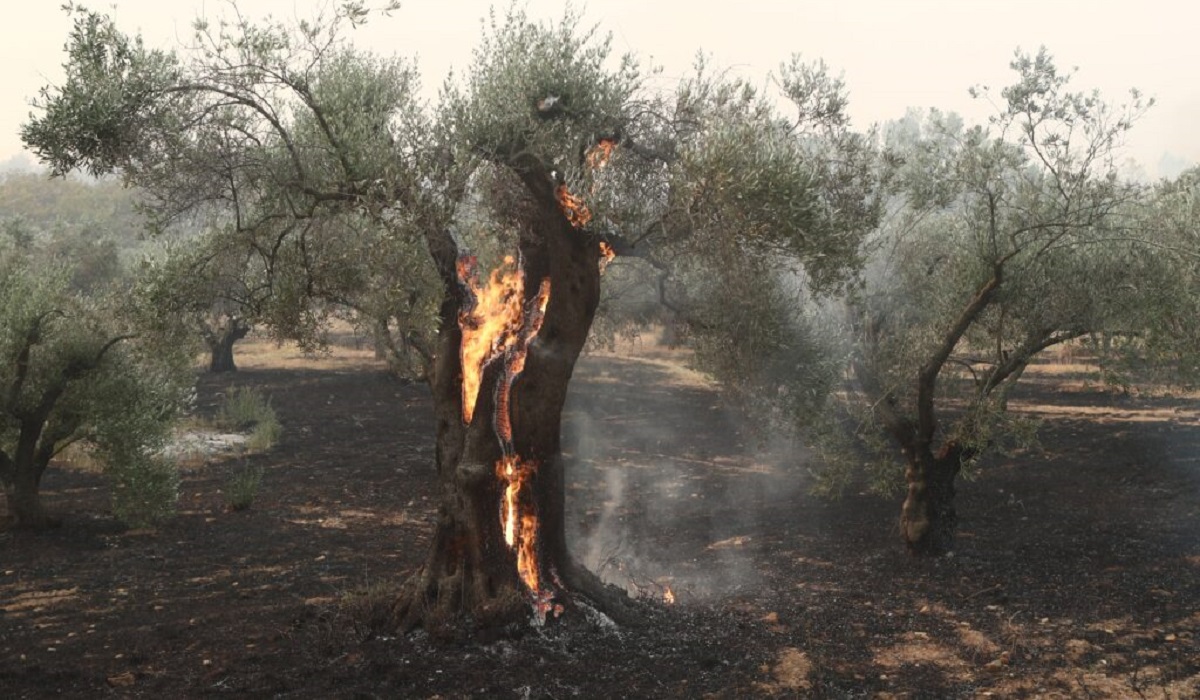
[(894, 53)]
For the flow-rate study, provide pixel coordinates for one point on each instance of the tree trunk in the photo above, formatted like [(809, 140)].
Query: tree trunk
[(22, 479), (928, 519), (472, 574), (381, 337), (25, 503), (221, 347)]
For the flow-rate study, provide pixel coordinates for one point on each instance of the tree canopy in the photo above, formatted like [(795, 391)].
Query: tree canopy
[(84, 369), (1000, 242)]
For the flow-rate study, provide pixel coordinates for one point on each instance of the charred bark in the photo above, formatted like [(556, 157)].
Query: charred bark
[(928, 519), (471, 578)]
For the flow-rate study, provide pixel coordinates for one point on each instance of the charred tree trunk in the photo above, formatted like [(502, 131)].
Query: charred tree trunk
[(221, 346), (471, 576), (928, 519)]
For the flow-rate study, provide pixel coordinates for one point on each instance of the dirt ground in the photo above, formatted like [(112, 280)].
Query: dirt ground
[(1077, 573)]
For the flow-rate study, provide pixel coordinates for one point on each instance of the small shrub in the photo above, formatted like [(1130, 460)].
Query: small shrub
[(145, 489), (242, 408), (246, 409), (242, 488), (265, 434)]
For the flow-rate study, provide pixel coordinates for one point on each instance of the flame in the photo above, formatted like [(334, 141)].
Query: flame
[(597, 157), (515, 361), (490, 324), (668, 595), (520, 527), (606, 255), (573, 207), (497, 322)]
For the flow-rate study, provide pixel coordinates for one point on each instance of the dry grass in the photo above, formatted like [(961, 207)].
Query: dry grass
[(650, 349), (347, 352)]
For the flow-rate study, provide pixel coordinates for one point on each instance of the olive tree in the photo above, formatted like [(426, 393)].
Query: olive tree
[(1001, 241), (82, 370), (214, 288)]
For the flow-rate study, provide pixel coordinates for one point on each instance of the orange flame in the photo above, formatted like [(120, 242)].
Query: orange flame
[(497, 322), (597, 157), (520, 528), (490, 325), (668, 596), (606, 255), (573, 207), (515, 360)]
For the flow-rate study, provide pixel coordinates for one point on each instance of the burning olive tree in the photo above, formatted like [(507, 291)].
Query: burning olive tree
[(704, 191), (1004, 242), (548, 160)]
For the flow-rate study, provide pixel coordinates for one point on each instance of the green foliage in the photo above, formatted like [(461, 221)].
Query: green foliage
[(310, 166), (82, 370), (91, 227), (242, 408), (241, 488), (246, 409), (144, 488), (1003, 241), (115, 95), (539, 91), (325, 185), (264, 435)]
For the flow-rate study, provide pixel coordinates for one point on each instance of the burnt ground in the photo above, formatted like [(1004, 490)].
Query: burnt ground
[(1077, 572)]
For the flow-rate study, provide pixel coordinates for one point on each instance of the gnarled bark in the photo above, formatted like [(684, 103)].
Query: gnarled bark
[(928, 518), (220, 345), (471, 575), (21, 476)]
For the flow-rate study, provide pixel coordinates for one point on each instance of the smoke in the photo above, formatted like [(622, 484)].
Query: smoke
[(666, 487)]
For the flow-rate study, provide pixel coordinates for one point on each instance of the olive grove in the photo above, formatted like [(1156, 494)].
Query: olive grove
[(549, 156)]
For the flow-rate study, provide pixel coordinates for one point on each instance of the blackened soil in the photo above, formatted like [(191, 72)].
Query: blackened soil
[(1077, 573)]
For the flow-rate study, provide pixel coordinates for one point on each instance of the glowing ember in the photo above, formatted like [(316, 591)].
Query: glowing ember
[(668, 596), (606, 255), (573, 207), (597, 157)]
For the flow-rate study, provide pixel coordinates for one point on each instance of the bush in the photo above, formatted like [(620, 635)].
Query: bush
[(242, 409), (247, 409), (242, 488), (144, 489), (369, 609), (265, 434)]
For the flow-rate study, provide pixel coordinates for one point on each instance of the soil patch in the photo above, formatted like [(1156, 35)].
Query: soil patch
[(1077, 572)]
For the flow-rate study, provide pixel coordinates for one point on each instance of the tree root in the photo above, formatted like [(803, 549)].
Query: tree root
[(450, 604)]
